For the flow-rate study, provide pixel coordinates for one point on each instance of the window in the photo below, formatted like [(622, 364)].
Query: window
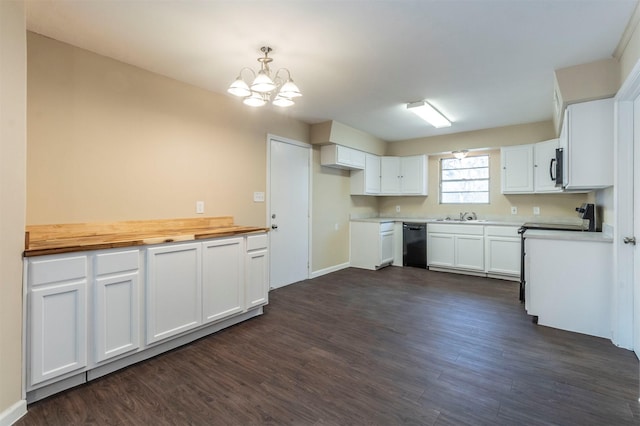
[(465, 180)]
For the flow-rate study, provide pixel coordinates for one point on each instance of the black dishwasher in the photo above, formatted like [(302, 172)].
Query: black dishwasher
[(414, 247)]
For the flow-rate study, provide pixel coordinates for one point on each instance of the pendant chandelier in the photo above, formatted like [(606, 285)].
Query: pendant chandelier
[(264, 87)]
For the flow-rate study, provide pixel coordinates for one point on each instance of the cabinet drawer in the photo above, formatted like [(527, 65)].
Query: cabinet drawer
[(502, 231), (442, 228), (109, 263), (256, 242), (44, 271), (386, 226)]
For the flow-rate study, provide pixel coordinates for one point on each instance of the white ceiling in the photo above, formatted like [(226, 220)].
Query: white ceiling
[(484, 63)]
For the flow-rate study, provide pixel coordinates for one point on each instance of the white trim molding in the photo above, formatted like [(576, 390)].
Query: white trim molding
[(13, 413), (622, 300), (330, 269)]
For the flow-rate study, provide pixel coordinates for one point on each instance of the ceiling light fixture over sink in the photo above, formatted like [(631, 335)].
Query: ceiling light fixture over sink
[(429, 114), (460, 154), (263, 87)]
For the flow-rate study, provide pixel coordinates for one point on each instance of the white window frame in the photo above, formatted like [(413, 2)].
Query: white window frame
[(488, 179)]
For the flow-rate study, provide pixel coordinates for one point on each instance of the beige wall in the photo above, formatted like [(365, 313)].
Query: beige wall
[(12, 200), (552, 205), (628, 50), (109, 141), (341, 134), (332, 207)]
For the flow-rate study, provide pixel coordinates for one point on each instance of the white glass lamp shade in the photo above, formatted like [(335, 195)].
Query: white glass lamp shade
[(262, 83), (460, 154), (282, 101), (255, 100), (239, 88), (289, 90)]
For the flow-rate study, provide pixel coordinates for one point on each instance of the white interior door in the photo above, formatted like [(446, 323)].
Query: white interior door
[(289, 177)]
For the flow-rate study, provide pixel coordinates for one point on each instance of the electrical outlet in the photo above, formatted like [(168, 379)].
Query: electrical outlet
[(397, 209), (199, 207), (336, 227), (536, 211), (514, 210)]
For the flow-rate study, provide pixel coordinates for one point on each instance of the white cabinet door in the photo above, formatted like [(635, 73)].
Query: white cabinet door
[(174, 290), (386, 248), (440, 250), (56, 316), (342, 157), (367, 181), (116, 315), (517, 169), (469, 252), (222, 278), (58, 325), (414, 175), (372, 174), (256, 271), (587, 138), (544, 166), (503, 256), (390, 175)]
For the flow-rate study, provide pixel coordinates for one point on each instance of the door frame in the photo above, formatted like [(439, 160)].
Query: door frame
[(625, 316), (271, 137)]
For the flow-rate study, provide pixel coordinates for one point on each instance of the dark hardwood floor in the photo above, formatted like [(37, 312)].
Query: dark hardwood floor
[(396, 346)]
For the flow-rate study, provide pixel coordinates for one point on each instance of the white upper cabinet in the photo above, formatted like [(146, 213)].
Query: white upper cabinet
[(517, 169), (342, 157), (587, 142), (403, 175), (544, 170), (367, 181), (528, 169)]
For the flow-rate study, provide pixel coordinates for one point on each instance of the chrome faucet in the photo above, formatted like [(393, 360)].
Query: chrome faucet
[(468, 216)]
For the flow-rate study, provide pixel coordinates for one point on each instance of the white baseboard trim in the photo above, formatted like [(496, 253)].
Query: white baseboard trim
[(13, 413), (325, 271)]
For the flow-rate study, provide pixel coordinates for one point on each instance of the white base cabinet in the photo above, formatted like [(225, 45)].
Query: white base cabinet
[(116, 303), (222, 278), (257, 271), (372, 244), (174, 290), (568, 284), (455, 247), (502, 252), (87, 311)]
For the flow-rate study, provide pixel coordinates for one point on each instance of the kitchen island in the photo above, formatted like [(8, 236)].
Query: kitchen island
[(101, 296)]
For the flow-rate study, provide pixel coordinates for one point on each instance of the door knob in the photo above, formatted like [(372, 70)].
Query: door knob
[(274, 226), (630, 240)]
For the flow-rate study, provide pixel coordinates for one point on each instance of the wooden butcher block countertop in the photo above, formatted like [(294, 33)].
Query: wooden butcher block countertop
[(65, 238)]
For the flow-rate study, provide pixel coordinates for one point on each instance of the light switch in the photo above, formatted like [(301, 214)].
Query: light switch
[(258, 197)]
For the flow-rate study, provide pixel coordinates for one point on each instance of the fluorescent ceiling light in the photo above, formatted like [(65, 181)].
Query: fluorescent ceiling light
[(428, 113)]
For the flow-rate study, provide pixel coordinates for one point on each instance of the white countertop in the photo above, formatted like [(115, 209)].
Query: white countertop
[(432, 220), (596, 237)]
